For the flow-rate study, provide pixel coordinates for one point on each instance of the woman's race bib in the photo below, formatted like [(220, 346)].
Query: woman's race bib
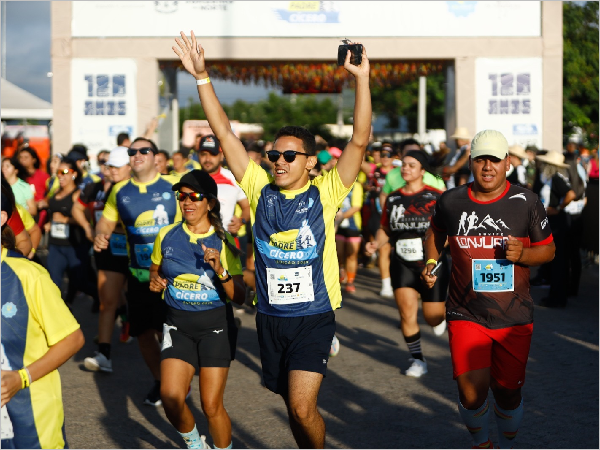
[(59, 230)]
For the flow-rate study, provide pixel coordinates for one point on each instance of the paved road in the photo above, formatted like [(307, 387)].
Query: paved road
[(366, 400)]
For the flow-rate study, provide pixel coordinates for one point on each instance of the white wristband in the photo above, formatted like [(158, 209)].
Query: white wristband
[(202, 81)]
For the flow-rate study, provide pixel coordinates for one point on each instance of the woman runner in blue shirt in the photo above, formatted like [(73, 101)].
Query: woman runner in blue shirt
[(196, 264)]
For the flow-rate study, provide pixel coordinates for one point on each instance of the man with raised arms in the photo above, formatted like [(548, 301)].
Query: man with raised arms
[(294, 242)]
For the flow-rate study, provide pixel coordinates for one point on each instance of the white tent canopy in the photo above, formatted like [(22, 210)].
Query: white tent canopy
[(17, 103)]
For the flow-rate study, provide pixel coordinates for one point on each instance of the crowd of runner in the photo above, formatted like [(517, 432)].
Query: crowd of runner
[(281, 228)]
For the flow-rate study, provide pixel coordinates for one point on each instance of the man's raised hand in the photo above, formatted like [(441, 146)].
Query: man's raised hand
[(191, 55), (357, 71)]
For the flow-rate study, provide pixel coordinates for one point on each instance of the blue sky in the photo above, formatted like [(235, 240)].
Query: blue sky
[(28, 57)]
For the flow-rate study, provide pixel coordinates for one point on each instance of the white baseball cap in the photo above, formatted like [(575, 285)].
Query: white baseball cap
[(118, 157), (489, 143)]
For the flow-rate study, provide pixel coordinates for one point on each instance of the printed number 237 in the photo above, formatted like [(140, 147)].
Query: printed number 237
[(288, 288)]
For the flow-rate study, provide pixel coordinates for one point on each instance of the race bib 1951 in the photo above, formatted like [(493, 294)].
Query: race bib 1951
[(493, 275), (287, 286)]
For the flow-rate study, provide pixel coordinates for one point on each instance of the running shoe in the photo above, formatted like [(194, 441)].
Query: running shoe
[(350, 287), (387, 292), (487, 444), (124, 335), (153, 397), (438, 330), (335, 346), (196, 443), (417, 369), (98, 363)]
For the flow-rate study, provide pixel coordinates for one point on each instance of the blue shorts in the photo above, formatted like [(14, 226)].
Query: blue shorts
[(293, 343)]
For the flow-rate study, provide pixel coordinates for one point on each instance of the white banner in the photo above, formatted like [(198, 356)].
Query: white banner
[(509, 98), (103, 102), (340, 19)]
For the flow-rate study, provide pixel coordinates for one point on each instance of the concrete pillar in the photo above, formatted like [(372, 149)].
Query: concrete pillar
[(552, 75), (450, 104)]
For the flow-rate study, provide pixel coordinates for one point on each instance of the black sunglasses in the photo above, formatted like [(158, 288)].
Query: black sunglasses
[(288, 155), (386, 155), (143, 151), (194, 196)]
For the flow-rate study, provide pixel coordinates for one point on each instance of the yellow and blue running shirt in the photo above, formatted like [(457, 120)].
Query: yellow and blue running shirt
[(143, 208), (34, 318), (293, 235), (353, 199), (192, 284)]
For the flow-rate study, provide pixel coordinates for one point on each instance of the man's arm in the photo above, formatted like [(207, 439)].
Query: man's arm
[(349, 163), (192, 57), (535, 255), (104, 228), (433, 246)]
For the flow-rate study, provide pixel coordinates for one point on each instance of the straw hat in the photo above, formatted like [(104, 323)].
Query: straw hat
[(517, 151), (554, 158), (461, 133)]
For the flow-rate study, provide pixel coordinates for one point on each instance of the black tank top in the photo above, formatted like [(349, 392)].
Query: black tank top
[(64, 234)]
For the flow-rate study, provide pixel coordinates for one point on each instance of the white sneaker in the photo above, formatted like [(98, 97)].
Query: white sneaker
[(98, 362), (417, 369), (438, 330), (387, 292)]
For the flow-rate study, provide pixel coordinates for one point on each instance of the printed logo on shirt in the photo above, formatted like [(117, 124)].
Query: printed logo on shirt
[(156, 197), (150, 222), (544, 223), (126, 199), (168, 251), (485, 226), (290, 245), (303, 207), (521, 195)]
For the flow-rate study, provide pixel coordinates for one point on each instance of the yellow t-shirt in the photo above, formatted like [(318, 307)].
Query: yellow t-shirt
[(34, 318)]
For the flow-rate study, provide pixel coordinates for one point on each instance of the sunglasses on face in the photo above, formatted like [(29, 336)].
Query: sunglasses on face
[(386, 155), (64, 172), (288, 155), (194, 196), (102, 162), (143, 151)]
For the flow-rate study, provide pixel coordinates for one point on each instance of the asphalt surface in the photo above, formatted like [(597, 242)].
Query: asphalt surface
[(366, 400)]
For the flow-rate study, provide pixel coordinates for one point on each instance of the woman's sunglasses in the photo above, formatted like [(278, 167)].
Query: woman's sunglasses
[(288, 155), (194, 196), (143, 151), (386, 155), (64, 172)]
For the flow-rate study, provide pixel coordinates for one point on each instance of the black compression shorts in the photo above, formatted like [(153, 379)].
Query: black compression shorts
[(200, 338), (405, 277)]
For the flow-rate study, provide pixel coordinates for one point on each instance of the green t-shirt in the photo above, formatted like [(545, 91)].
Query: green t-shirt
[(394, 181), (23, 192)]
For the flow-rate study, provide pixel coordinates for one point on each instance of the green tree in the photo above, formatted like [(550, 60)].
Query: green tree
[(403, 100), (580, 68), (275, 112)]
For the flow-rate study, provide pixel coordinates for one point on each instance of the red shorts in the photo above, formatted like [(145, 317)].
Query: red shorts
[(504, 351)]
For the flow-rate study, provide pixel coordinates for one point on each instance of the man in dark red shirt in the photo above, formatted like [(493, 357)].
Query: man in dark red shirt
[(496, 231)]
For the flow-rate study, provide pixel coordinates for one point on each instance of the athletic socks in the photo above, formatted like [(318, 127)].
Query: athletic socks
[(477, 422), (104, 349), (192, 439), (414, 345), (508, 422), (386, 283), (229, 446)]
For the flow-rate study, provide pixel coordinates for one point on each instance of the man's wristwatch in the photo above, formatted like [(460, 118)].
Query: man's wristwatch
[(243, 221)]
